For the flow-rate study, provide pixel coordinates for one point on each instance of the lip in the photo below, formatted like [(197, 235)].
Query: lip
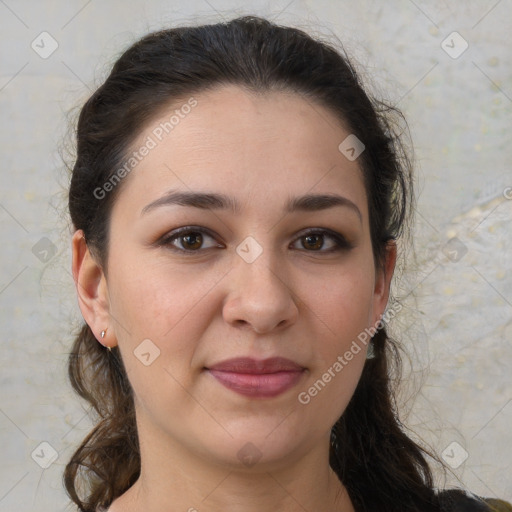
[(257, 378)]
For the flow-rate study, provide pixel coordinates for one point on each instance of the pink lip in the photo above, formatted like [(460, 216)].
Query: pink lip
[(257, 378)]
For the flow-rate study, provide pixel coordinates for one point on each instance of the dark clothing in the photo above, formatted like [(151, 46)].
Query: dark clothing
[(454, 500)]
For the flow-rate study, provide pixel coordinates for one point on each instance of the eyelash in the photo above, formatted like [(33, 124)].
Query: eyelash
[(341, 244)]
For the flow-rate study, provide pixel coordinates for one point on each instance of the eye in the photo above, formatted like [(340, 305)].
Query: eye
[(314, 241), (191, 239), (188, 239)]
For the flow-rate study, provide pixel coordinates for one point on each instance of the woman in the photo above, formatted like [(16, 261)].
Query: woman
[(236, 200)]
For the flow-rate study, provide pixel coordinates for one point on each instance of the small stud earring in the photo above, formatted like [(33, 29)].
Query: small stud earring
[(370, 354), (103, 335)]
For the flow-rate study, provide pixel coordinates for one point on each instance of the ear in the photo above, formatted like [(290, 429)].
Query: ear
[(92, 290), (383, 278)]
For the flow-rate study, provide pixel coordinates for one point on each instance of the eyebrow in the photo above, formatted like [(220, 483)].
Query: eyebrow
[(213, 201)]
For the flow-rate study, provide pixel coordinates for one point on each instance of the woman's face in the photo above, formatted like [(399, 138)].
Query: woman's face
[(256, 282)]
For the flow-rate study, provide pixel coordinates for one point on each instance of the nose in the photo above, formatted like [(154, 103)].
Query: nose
[(260, 296)]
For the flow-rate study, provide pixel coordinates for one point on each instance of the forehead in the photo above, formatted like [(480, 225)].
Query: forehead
[(250, 144)]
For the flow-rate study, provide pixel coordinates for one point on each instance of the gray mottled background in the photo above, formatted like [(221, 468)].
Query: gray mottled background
[(457, 287)]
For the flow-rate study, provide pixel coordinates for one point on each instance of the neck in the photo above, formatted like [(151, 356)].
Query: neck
[(188, 482)]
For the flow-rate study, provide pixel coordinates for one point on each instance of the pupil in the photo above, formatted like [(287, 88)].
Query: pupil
[(314, 241), (193, 240)]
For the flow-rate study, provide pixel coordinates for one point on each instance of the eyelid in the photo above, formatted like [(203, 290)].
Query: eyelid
[(341, 243), (178, 232)]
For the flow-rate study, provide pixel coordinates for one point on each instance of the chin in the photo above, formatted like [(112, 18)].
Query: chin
[(267, 448)]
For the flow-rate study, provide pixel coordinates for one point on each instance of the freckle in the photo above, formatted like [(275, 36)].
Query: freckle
[(493, 61)]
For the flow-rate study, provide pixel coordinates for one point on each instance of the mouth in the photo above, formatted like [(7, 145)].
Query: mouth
[(257, 378)]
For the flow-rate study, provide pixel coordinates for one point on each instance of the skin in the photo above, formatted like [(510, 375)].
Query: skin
[(293, 301)]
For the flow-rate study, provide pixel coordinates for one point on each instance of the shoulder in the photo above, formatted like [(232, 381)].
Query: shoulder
[(456, 500)]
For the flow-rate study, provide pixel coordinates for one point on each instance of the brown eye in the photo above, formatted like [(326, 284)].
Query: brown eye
[(189, 240), (315, 241), (192, 241)]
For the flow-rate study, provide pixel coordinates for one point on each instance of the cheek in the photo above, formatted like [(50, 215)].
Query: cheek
[(161, 312), (344, 307), (171, 308), (156, 300), (343, 310)]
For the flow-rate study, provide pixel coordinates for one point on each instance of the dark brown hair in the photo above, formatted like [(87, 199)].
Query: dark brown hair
[(381, 467)]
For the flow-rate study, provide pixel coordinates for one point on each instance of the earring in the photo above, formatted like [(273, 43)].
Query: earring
[(370, 353), (333, 438), (103, 335)]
